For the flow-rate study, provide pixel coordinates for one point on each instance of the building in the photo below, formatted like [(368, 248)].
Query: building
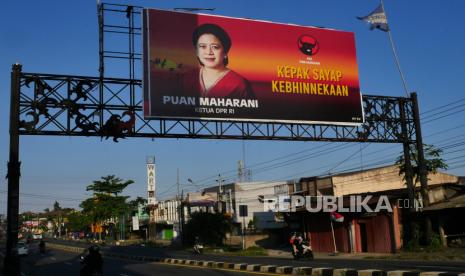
[(251, 194), (165, 219), (446, 209), (360, 231)]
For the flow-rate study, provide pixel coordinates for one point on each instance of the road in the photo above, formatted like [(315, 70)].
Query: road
[(334, 262), (57, 262)]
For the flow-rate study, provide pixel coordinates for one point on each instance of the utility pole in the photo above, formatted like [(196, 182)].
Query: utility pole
[(181, 217), (178, 205), (408, 169), (177, 182), (240, 171), (219, 196), (231, 210), (422, 165)]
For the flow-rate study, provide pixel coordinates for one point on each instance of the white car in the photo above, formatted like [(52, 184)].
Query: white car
[(22, 249)]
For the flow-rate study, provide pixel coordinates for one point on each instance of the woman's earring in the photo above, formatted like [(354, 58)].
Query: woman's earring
[(225, 57)]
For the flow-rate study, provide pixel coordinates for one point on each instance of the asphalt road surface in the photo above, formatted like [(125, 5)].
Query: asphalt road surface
[(328, 261), (57, 262)]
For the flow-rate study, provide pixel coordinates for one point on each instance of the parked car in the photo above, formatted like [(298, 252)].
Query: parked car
[(22, 249)]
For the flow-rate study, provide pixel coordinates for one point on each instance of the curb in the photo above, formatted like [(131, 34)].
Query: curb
[(273, 269)]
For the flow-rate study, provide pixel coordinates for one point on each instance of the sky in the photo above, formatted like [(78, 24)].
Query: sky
[(61, 37)]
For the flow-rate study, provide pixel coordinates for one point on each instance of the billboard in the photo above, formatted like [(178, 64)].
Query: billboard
[(221, 68)]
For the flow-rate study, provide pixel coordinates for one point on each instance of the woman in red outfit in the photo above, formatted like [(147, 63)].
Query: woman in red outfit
[(214, 78)]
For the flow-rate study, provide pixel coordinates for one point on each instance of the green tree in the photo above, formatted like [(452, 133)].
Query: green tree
[(218, 226), (134, 204), (77, 221), (105, 202), (56, 206), (433, 161), (109, 184), (103, 206)]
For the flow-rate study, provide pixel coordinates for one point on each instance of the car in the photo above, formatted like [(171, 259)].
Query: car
[(22, 248)]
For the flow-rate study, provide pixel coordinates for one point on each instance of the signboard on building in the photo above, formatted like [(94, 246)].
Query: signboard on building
[(151, 180), (221, 68), (135, 223)]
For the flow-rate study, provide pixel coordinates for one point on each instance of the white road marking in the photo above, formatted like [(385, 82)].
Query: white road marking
[(123, 274), (68, 263), (53, 258)]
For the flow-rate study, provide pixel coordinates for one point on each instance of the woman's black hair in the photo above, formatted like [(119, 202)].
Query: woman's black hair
[(215, 30)]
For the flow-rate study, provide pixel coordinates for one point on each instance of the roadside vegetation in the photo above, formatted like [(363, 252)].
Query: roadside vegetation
[(105, 215)]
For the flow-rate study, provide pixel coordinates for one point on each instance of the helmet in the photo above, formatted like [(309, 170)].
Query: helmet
[(94, 248)]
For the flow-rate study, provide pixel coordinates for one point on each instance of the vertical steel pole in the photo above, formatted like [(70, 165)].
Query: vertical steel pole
[(101, 52), (408, 172), (12, 264), (421, 155), (334, 238), (421, 166), (408, 162), (243, 232)]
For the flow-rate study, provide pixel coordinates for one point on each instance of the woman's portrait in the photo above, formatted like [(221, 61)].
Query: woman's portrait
[(213, 78)]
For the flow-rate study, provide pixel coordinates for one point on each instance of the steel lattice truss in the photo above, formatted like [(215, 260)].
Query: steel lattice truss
[(84, 106)]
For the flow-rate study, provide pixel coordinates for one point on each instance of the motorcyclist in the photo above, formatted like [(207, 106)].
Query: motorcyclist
[(198, 247), (298, 242), (93, 262), (292, 242), (42, 246)]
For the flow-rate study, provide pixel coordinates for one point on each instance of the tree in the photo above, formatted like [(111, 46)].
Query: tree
[(218, 225), (109, 184), (105, 202), (138, 201), (56, 206), (102, 207), (77, 221), (433, 161), (134, 204)]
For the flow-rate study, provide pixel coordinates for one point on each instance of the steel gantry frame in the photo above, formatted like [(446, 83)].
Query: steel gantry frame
[(75, 106), (66, 105)]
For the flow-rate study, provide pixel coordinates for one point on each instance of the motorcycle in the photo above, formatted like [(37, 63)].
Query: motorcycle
[(303, 251), (198, 248), (91, 263)]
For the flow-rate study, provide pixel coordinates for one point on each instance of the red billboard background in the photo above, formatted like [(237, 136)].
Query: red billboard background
[(288, 85)]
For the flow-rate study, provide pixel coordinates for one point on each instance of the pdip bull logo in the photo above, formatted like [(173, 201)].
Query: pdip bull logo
[(308, 45)]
